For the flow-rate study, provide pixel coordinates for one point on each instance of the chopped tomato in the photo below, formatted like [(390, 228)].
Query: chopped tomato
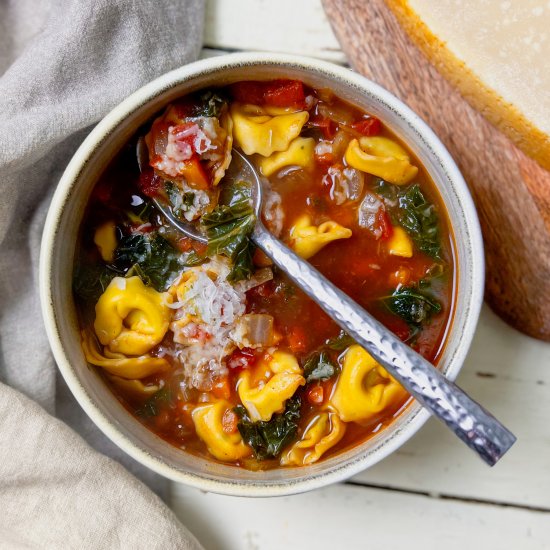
[(149, 183), (221, 388), (195, 174), (316, 395), (242, 359), (325, 160), (327, 126), (184, 244), (384, 223), (285, 93), (277, 93), (297, 339), (229, 422), (368, 126)]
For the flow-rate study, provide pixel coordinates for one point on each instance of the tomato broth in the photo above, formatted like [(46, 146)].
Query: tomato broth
[(213, 348)]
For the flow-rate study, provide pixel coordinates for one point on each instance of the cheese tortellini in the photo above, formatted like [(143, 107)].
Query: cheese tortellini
[(381, 157), (323, 432), (134, 387), (257, 132), (299, 153), (118, 364), (307, 239), (364, 388), (208, 421), (265, 390), (131, 318)]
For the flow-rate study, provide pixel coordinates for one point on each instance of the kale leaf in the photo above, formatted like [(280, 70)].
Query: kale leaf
[(340, 342), (179, 202), (91, 280), (419, 218), (412, 305), (152, 257), (319, 366), (410, 209), (151, 407), (228, 228), (211, 104), (268, 439)]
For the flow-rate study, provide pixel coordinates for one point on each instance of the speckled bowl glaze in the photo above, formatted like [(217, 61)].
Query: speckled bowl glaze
[(59, 242)]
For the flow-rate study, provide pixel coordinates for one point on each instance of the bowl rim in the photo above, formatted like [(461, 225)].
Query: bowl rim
[(69, 178)]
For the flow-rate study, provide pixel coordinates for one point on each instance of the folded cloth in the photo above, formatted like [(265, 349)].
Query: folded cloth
[(63, 65), (56, 492)]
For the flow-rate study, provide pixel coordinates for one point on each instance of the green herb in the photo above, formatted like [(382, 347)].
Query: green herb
[(319, 366), (90, 281), (179, 202), (211, 105), (340, 342), (419, 218), (412, 305), (158, 262), (268, 439), (151, 407), (410, 209), (228, 228)]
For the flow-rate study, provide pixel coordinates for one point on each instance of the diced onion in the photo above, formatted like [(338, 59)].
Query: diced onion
[(257, 329), (259, 278)]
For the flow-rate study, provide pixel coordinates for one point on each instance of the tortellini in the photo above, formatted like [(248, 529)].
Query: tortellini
[(131, 318), (299, 153), (307, 239), (208, 421), (364, 388), (106, 241), (118, 364), (256, 132), (400, 244), (265, 391), (323, 432), (381, 157), (134, 387)]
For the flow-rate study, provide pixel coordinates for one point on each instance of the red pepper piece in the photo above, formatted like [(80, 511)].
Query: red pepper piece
[(149, 183), (276, 93), (327, 126), (384, 223), (285, 93), (368, 127)]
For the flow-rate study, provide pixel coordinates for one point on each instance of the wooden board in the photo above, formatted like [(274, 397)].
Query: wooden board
[(511, 191)]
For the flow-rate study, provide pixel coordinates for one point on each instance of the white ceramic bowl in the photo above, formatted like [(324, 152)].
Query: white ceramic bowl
[(59, 241)]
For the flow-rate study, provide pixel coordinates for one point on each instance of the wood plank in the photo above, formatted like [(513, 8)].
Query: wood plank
[(510, 374), (347, 516), (289, 26)]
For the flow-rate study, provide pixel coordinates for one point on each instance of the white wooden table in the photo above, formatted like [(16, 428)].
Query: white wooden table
[(433, 492)]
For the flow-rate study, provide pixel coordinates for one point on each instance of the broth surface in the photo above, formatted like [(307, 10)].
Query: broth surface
[(223, 356)]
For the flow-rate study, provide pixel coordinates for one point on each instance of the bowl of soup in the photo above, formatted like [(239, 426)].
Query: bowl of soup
[(202, 360)]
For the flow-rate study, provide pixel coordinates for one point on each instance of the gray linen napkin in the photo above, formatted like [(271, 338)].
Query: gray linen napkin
[(63, 65)]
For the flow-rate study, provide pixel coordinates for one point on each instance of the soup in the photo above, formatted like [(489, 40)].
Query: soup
[(210, 346)]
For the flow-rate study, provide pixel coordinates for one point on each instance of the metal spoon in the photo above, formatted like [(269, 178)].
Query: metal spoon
[(469, 421)]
